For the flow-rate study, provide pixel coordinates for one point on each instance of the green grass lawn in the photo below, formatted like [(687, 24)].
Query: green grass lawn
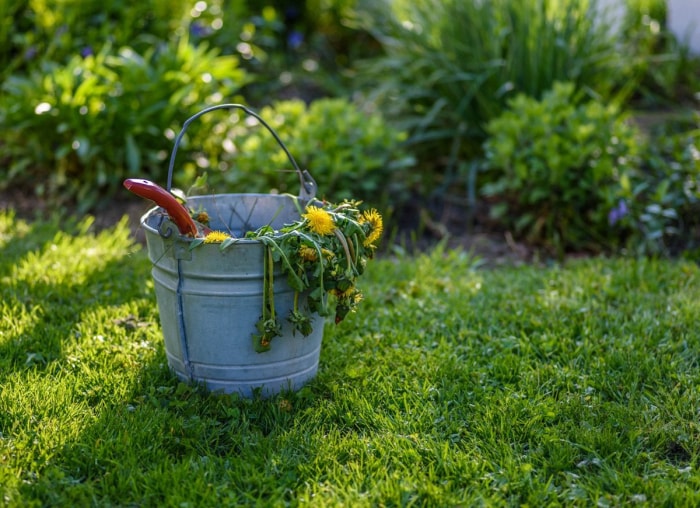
[(454, 385)]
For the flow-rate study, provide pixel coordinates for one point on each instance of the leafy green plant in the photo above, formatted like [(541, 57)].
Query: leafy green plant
[(554, 169), (75, 131), (659, 207), (351, 154), (10, 54), (451, 66), (665, 71), (57, 30), (296, 49)]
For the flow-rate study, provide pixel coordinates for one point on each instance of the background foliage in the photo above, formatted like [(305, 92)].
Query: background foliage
[(351, 154), (555, 168), (95, 91), (451, 66), (101, 118), (661, 199)]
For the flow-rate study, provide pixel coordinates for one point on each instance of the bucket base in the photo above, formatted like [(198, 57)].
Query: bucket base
[(249, 381)]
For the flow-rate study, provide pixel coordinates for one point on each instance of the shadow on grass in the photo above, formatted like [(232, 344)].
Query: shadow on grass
[(161, 442), (18, 238), (142, 437), (45, 294)]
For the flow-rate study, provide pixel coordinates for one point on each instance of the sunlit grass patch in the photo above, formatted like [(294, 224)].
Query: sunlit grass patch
[(451, 385)]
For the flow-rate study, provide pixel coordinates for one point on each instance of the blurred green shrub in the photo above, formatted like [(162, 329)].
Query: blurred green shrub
[(58, 30), (554, 168), (659, 206), (92, 91), (665, 73), (296, 48), (350, 154), (451, 65), (10, 28), (74, 131)]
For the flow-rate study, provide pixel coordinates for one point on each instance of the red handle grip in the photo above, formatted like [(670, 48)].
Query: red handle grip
[(178, 213)]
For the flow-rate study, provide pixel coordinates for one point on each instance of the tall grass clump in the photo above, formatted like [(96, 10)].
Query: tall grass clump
[(665, 70), (450, 66)]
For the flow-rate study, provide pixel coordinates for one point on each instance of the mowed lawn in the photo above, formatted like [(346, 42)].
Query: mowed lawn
[(454, 385)]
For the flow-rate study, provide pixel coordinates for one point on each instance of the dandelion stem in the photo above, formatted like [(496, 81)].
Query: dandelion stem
[(270, 285), (346, 248)]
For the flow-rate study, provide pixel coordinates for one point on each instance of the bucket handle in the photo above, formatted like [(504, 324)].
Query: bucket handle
[(308, 188)]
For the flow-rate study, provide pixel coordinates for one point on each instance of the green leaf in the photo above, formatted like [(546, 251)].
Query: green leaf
[(201, 181), (133, 154), (196, 243), (295, 282), (228, 242)]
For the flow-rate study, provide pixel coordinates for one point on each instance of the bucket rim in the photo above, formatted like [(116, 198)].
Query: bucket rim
[(168, 228)]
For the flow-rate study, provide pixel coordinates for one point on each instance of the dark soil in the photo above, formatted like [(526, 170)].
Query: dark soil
[(29, 207), (416, 230)]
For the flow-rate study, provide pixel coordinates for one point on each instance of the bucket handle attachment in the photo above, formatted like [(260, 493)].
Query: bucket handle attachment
[(307, 192)]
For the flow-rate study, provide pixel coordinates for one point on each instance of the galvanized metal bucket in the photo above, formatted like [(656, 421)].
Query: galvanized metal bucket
[(210, 300)]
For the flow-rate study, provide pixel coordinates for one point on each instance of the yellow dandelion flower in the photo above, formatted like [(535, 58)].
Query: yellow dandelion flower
[(216, 237), (308, 253), (351, 294), (348, 299), (376, 226), (320, 221), (328, 254)]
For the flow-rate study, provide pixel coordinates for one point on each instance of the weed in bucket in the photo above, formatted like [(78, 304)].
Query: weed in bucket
[(232, 272)]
